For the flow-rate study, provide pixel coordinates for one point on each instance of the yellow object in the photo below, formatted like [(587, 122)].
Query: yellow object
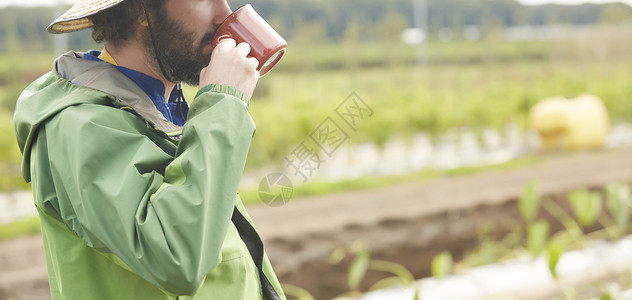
[(105, 56), (573, 124)]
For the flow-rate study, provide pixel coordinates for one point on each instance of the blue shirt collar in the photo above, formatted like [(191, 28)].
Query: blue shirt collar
[(154, 89)]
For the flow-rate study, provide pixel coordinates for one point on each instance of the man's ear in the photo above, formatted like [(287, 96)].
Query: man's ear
[(142, 21)]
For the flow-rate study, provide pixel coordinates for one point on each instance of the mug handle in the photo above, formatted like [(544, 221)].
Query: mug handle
[(219, 38)]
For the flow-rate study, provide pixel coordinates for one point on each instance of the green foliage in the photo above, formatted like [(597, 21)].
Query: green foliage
[(402, 276), (20, 228), (10, 157), (359, 266), (441, 264), (616, 13), (336, 17), (337, 255), (586, 206), (297, 292), (537, 234), (618, 204), (31, 22), (444, 98), (459, 89), (408, 100), (16, 72), (554, 251), (361, 263), (390, 27), (491, 250), (529, 202)]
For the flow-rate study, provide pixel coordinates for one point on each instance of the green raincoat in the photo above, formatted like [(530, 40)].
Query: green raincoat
[(131, 205)]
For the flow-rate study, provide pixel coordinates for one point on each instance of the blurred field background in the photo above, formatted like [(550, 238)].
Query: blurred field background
[(482, 65)]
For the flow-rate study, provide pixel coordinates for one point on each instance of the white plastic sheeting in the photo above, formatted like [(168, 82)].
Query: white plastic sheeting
[(518, 277)]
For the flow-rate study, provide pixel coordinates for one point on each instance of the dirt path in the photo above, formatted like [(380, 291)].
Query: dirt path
[(396, 222), (323, 215), (557, 174), (23, 269)]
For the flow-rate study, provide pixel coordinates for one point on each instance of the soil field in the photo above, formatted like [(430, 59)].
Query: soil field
[(408, 224)]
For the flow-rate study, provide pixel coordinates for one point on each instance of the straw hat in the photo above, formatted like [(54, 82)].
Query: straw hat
[(76, 17)]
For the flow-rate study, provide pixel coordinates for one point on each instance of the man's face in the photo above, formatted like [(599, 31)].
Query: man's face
[(183, 31)]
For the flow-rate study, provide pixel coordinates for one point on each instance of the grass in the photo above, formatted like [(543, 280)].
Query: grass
[(467, 84), (20, 228), (10, 175), (332, 56), (408, 100)]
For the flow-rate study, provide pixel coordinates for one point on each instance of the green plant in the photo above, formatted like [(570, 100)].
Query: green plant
[(529, 201), (358, 267), (361, 263), (537, 234), (459, 90), (297, 292), (537, 230), (587, 210), (586, 206), (554, 250), (491, 250), (402, 275), (618, 204), (441, 264)]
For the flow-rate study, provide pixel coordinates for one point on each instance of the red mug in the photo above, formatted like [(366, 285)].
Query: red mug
[(246, 25)]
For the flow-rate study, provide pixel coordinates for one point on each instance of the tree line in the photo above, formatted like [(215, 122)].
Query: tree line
[(335, 20), (337, 16)]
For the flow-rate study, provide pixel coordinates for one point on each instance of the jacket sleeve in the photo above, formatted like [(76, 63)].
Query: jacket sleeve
[(164, 216)]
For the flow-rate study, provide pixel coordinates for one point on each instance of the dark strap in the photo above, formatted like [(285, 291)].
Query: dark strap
[(255, 247)]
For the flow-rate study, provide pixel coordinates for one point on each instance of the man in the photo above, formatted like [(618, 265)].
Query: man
[(134, 202)]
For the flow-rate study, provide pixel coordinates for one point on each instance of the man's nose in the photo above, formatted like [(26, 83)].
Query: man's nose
[(222, 11)]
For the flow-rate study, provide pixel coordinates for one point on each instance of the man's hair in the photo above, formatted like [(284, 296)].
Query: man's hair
[(117, 24)]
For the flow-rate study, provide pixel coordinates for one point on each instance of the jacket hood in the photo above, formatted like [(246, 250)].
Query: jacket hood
[(75, 81)]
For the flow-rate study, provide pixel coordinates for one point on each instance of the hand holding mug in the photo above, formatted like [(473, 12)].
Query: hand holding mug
[(245, 47), (246, 26), (231, 66)]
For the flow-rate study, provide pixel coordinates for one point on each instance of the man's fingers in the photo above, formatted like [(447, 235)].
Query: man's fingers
[(243, 48), (227, 42), (231, 66), (253, 61)]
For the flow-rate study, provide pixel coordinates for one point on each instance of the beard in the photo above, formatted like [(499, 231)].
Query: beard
[(182, 58)]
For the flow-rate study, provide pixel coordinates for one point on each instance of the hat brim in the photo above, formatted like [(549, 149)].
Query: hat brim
[(76, 18)]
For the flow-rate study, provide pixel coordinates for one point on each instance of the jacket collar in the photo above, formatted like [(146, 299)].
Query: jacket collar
[(105, 77)]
